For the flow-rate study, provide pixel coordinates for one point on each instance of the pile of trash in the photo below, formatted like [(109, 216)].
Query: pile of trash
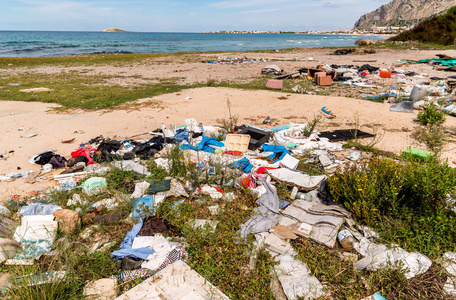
[(235, 61), (398, 84), (251, 157), (354, 51)]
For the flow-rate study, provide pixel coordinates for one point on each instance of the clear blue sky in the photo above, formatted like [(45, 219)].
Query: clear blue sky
[(182, 16)]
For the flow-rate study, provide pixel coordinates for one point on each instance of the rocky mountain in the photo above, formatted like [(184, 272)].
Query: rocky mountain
[(403, 12)]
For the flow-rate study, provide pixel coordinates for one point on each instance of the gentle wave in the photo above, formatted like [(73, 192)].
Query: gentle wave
[(36, 43)]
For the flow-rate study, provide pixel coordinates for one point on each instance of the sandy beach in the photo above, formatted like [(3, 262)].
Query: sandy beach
[(206, 105)]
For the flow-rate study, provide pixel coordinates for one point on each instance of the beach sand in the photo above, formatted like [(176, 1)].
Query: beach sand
[(206, 105)]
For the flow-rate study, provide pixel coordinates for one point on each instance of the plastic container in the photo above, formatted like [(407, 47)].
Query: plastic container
[(376, 296), (418, 93), (417, 153), (346, 239), (385, 74), (257, 137), (237, 142), (294, 192)]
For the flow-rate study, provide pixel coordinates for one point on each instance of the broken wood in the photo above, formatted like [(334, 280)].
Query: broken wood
[(364, 60)]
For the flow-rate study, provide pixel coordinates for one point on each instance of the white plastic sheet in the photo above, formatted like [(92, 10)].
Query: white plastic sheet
[(378, 256), (296, 279)]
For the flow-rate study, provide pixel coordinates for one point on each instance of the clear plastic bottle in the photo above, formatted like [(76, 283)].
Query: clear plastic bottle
[(346, 239)]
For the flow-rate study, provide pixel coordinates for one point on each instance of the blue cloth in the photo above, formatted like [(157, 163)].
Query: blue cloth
[(204, 145), (188, 147), (207, 142), (279, 128), (243, 164), (143, 205), (278, 150), (125, 246), (181, 135)]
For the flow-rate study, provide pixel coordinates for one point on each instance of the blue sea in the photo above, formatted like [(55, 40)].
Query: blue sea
[(64, 43)]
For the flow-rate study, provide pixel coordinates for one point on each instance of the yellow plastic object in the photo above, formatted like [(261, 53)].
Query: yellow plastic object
[(237, 142)]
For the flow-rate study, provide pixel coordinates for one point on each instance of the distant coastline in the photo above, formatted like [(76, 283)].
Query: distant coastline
[(335, 32)]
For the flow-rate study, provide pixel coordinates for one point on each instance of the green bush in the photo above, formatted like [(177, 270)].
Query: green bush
[(439, 29), (433, 136), (431, 115), (387, 187), (122, 180), (406, 201)]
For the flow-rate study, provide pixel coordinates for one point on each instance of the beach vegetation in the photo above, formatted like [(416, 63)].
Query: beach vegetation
[(229, 124), (406, 202), (439, 29), (431, 115)]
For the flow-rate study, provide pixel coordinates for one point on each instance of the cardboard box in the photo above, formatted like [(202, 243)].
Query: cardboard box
[(324, 80)]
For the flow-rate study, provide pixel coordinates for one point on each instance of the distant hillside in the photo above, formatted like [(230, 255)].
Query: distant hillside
[(113, 29), (403, 12), (440, 29)]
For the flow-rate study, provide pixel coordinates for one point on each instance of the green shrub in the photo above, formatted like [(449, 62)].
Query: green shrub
[(406, 201), (433, 136), (439, 29), (431, 115), (157, 174), (122, 180), (387, 187)]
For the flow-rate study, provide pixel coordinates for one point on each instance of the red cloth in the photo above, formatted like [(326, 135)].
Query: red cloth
[(261, 170), (234, 153), (84, 151)]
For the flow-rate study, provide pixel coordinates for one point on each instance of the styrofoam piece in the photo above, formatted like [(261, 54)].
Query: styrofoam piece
[(289, 162), (237, 142), (418, 93), (177, 281), (40, 227), (77, 174)]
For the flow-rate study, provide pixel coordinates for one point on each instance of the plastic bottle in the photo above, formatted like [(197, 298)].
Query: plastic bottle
[(294, 191), (346, 239), (376, 296)]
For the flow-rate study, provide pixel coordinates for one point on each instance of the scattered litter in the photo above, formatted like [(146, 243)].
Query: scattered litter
[(376, 296), (102, 289), (68, 141), (274, 84), (94, 185), (296, 279), (36, 90), (404, 106), (379, 256), (272, 69), (177, 281), (328, 113), (30, 135)]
